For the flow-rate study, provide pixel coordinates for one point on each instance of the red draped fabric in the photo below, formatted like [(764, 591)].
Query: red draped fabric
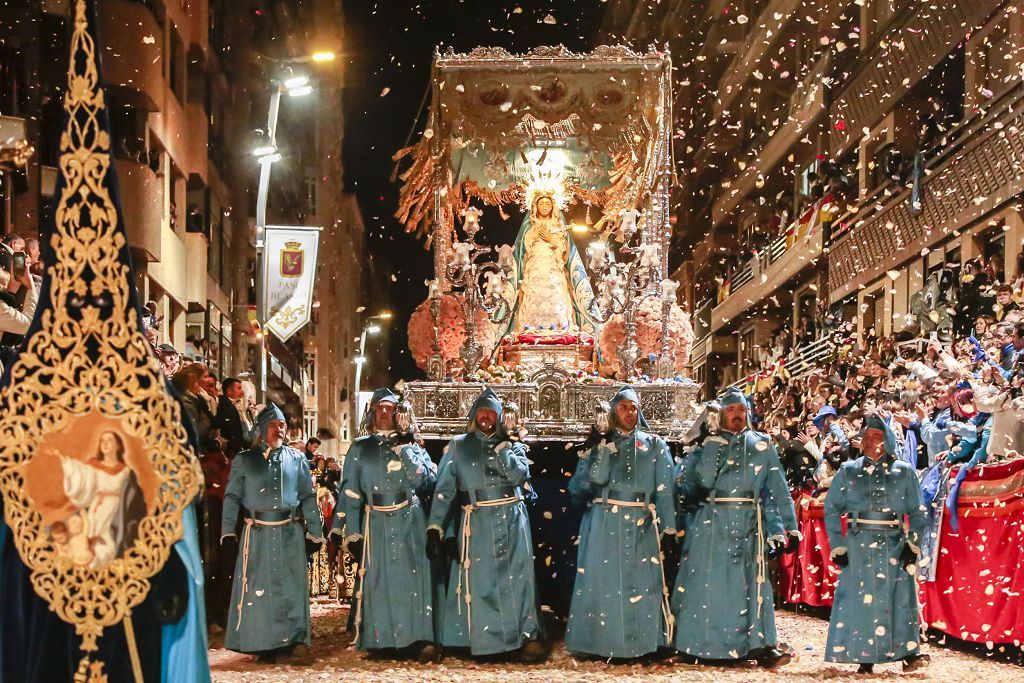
[(808, 576), (978, 592)]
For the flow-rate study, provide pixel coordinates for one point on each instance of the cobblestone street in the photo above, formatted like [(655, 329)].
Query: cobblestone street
[(335, 660)]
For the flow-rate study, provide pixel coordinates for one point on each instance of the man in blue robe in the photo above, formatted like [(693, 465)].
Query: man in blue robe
[(722, 600), (269, 611), (491, 604), (385, 475), (875, 612), (620, 602)]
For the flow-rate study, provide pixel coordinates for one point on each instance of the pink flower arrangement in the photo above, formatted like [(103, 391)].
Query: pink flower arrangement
[(648, 337), (451, 333)]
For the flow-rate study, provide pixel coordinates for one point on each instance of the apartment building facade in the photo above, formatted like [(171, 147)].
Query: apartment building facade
[(835, 157), (188, 85)]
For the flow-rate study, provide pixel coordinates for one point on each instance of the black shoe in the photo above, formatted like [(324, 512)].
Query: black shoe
[(915, 662), (534, 652), (429, 653), (300, 654), (866, 669), (772, 658), (267, 658)]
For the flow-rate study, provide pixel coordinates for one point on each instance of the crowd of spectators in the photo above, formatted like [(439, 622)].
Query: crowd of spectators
[(952, 395)]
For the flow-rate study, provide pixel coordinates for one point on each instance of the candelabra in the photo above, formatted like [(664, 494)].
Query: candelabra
[(623, 286), (482, 283)]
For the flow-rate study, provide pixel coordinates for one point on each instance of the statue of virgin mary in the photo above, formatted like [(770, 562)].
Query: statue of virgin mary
[(552, 289)]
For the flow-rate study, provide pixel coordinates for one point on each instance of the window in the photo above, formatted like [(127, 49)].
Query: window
[(999, 59), (176, 64), (311, 373), (748, 356)]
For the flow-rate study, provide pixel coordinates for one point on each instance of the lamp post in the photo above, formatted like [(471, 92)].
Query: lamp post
[(360, 360), (266, 154)]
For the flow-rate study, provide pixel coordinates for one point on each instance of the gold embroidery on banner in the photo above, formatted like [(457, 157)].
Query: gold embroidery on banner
[(89, 360)]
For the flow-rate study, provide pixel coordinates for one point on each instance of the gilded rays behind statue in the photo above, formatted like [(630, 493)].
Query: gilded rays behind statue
[(95, 467)]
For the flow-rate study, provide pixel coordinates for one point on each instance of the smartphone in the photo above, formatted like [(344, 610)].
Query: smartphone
[(933, 336), (18, 265)]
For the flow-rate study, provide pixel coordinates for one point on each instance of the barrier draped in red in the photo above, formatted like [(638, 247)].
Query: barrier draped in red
[(808, 577), (978, 592)]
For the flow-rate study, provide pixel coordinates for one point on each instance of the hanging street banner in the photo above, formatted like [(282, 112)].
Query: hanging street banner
[(289, 271)]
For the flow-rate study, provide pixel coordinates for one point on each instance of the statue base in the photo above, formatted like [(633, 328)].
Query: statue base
[(530, 359), (555, 407)]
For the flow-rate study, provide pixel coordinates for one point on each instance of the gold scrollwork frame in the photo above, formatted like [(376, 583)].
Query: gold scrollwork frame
[(89, 356)]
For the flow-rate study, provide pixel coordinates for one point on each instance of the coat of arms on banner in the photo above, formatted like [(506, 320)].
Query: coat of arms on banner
[(292, 259)]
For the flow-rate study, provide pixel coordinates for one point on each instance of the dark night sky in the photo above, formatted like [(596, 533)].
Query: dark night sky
[(389, 45)]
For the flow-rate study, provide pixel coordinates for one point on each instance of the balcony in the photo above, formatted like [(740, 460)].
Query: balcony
[(900, 59), (132, 54), (195, 263), (142, 205), (799, 363), (806, 105), (767, 31), (979, 170), (761, 276), (198, 32), (195, 144)]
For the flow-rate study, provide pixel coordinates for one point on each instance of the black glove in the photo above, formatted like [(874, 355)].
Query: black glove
[(401, 438), (908, 556), (355, 550), (841, 560), (434, 544), (792, 544), (593, 439), (451, 547), (169, 591), (774, 550), (670, 549), (229, 546)]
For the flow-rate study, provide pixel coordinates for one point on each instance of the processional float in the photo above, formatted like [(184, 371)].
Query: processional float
[(581, 301)]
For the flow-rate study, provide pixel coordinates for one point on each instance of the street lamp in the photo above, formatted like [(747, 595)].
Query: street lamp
[(360, 360)]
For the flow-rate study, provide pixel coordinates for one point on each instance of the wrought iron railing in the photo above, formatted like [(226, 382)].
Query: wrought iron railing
[(799, 363)]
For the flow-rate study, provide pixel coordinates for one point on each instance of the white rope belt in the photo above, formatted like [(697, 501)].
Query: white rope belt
[(389, 508), (249, 524), (878, 522), (666, 608), (620, 503), (464, 560)]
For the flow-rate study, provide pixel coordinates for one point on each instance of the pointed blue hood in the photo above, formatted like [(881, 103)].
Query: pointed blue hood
[(875, 422), (269, 414), (735, 397), (486, 399), (627, 393), (382, 394)]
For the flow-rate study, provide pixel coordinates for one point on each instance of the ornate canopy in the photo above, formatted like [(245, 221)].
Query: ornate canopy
[(601, 121)]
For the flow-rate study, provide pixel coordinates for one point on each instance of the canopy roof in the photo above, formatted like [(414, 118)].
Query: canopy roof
[(597, 124)]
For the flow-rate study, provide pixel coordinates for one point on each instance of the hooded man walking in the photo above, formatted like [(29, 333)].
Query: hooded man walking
[(269, 612), (875, 614), (385, 475), (620, 603), (723, 601), (491, 605)]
